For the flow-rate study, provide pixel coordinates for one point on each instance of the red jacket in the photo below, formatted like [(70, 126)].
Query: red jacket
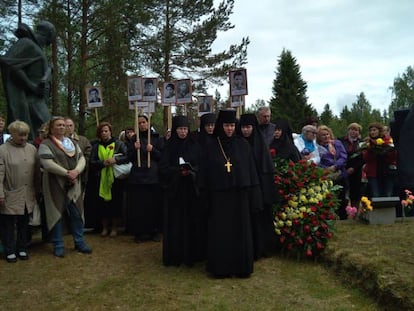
[(376, 162)]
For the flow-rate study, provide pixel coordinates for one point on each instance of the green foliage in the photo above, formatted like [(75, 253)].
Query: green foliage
[(361, 112), (289, 99), (181, 47), (403, 91)]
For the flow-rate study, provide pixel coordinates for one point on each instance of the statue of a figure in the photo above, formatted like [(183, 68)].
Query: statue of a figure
[(27, 76)]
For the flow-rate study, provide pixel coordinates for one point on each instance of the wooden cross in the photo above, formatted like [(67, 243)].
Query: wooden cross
[(228, 166)]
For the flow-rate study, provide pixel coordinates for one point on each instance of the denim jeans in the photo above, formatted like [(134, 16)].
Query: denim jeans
[(76, 224), (381, 187)]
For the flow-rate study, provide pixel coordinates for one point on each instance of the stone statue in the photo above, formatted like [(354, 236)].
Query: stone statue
[(27, 76)]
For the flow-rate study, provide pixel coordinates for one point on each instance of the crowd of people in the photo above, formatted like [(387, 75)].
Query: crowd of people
[(208, 195)]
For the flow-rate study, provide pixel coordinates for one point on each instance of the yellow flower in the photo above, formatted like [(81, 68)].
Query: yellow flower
[(302, 209), (379, 141), (289, 223), (278, 232), (284, 215), (293, 204), (303, 199)]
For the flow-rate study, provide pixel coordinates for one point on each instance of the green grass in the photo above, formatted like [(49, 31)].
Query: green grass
[(362, 265)]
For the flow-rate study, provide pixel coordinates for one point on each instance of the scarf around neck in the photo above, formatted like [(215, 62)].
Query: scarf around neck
[(107, 172)]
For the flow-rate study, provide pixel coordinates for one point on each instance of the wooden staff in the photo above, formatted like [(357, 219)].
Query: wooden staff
[(149, 137), (97, 117), (169, 118), (137, 134)]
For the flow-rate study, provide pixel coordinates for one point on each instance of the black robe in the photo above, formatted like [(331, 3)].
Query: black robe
[(143, 192), (181, 203), (230, 240), (264, 237)]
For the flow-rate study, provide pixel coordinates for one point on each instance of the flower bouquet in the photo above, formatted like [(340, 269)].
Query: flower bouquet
[(407, 203), (305, 216), (365, 206)]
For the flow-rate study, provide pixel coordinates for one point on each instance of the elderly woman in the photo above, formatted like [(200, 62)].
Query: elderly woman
[(306, 144), (333, 158), (19, 174), (63, 162), (354, 162)]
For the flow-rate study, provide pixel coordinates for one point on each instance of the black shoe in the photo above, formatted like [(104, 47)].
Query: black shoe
[(23, 255), (83, 248), (11, 258)]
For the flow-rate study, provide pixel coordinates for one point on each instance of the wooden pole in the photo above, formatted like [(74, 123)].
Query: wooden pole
[(149, 138), (97, 117), (137, 134)]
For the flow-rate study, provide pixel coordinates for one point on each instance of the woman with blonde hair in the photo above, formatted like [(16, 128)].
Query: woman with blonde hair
[(63, 162), (333, 158), (19, 183)]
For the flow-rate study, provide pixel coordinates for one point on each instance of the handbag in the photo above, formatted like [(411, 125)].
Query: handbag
[(35, 217), (121, 171)]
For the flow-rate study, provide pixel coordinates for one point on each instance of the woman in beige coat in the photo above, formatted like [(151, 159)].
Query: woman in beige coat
[(19, 173)]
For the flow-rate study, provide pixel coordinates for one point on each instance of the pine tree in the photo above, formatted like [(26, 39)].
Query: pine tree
[(289, 99), (178, 42)]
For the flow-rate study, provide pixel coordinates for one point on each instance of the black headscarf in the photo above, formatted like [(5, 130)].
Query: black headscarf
[(224, 116)]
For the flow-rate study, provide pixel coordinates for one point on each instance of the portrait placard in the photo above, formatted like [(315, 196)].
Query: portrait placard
[(134, 88), (94, 96), (238, 82), (142, 106), (168, 93), (204, 104), (149, 92), (237, 101), (183, 91)]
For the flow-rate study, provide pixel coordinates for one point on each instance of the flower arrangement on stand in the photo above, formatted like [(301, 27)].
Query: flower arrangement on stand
[(305, 216)]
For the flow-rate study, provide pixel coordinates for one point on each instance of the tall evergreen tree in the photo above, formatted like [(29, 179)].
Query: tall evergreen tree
[(178, 44), (289, 99), (402, 91)]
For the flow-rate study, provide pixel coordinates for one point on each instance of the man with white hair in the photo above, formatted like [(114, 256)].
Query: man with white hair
[(265, 126)]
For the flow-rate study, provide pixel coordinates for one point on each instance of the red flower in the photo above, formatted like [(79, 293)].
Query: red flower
[(272, 152), (309, 252)]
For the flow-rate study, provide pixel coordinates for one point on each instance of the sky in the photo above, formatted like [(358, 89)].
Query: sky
[(343, 47)]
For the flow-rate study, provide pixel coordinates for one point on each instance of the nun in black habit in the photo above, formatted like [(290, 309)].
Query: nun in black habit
[(230, 178), (282, 142), (264, 237), (179, 170), (206, 130)]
